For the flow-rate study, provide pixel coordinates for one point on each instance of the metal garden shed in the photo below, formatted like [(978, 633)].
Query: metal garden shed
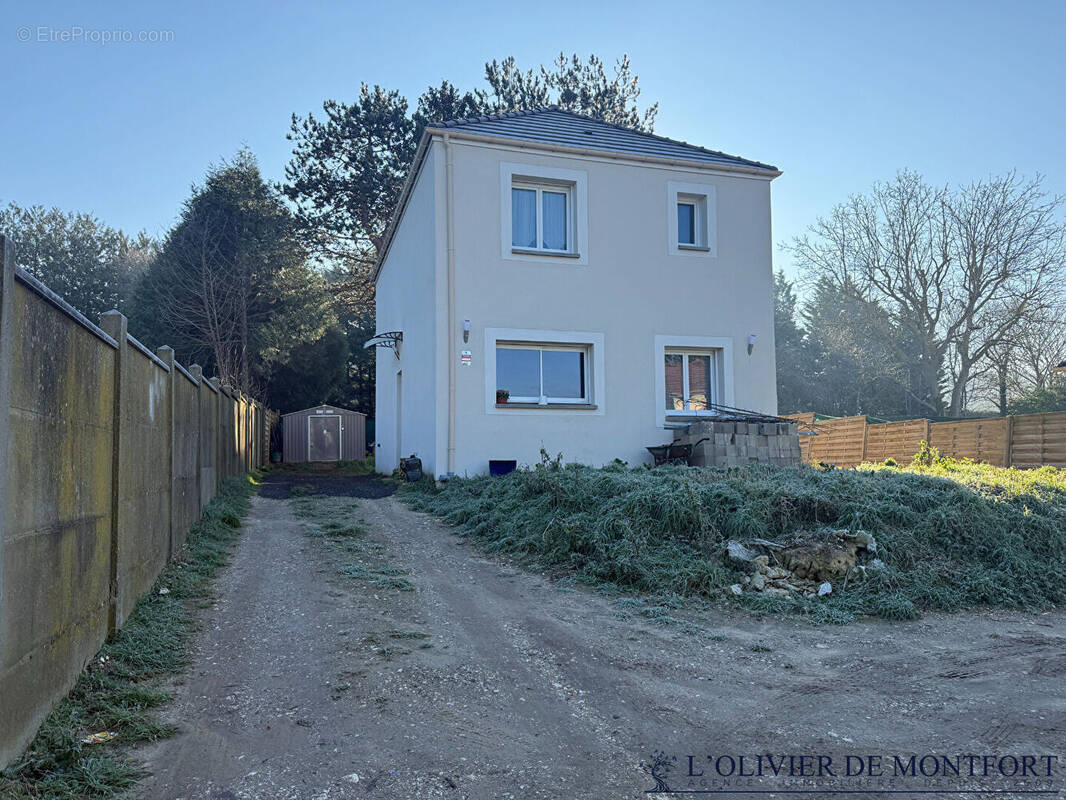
[(323, 433)]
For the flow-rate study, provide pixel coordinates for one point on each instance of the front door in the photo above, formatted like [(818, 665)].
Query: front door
[(324, 438)]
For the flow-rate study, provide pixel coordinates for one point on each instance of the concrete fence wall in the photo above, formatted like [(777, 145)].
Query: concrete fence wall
[(110, 452), (1025, 440)]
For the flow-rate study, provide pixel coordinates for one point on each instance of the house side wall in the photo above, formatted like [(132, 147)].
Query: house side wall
[(408, 297), (632, 291)]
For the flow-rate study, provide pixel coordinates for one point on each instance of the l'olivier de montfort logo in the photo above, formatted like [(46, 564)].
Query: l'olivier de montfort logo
[(947, 773)]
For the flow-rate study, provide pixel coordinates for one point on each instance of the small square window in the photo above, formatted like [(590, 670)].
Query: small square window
[(691, 221), (691, 226)]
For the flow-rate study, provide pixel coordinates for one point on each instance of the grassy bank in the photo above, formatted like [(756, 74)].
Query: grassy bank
[(952, 534), (122, 685)]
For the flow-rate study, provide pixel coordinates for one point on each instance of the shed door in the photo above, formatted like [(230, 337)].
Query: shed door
[(324, 438)]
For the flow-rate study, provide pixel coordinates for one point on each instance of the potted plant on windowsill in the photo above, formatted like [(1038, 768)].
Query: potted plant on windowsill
[(502, 396)]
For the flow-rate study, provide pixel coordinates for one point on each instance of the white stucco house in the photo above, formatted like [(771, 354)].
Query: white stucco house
[(552, 281)]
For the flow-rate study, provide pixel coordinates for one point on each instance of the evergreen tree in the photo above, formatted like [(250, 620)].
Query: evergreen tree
[(90, 265), (231, 288)]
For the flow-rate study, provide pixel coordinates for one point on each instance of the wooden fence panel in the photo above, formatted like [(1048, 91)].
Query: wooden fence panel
[(839, 441), (1039, 440), (897, 440), (1025, 441), (980, 439)]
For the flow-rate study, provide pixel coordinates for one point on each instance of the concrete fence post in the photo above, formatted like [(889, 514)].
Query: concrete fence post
[(166, 355), (220, 444), (197, 372), (7, 289), (115, 325)]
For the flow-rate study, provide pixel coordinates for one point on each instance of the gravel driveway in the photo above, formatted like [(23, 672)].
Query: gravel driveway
[(487, 682)]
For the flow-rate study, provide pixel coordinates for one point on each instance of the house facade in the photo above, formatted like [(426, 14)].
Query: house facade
[(552, 281)]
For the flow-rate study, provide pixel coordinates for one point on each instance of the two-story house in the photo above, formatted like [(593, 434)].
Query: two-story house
[(553, 281)]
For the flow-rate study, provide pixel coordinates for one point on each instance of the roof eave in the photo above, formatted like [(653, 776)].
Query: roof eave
[(768, 173)]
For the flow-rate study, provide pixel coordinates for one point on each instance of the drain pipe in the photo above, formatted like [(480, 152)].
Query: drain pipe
[(449, 182)]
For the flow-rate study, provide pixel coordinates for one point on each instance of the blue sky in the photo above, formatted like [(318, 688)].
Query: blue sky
[(838, 94)]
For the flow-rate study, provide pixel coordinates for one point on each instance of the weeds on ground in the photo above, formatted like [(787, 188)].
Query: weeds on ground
[(952, 534), (122, 684), (334, 518)]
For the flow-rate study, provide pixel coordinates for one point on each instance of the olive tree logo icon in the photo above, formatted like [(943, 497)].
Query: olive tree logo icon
[(659, 770)]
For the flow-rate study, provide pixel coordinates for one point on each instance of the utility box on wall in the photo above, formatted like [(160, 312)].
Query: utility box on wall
[(323, 433)]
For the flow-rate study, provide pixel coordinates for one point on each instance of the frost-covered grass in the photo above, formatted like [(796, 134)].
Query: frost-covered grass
[(952, 534)]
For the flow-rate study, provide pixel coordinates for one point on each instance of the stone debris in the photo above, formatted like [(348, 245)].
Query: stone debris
[(741, 552), (806, 564)]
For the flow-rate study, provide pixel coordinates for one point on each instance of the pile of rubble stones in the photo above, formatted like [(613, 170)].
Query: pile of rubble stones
[(807, 564)]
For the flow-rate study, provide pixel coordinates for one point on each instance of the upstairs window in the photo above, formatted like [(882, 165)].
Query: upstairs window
[(686, 223), (544, 215), (541, 217), (692, 222)]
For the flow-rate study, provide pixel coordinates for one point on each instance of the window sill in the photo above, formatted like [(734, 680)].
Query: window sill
[(693, 248), (532, 251), (566, 406)]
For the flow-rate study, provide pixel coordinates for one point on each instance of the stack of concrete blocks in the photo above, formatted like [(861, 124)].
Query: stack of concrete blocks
[(734, 443)]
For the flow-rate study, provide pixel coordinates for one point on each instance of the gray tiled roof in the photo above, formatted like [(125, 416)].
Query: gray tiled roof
[(552, 125)]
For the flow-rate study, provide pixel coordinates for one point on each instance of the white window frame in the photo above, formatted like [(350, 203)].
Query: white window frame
[(699, 214), (720, 347), (704, 198), (686, 388), (543, 399), (565, 189), (532, 176), (592, 343)]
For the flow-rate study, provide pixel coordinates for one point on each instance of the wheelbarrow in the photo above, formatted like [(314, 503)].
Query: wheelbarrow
[(674, 453)]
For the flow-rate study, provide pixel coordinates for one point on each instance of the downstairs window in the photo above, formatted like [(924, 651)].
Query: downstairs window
[(692, 379), (542, 374)]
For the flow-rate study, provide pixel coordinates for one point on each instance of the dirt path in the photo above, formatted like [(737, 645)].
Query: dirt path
[(304, 678)]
